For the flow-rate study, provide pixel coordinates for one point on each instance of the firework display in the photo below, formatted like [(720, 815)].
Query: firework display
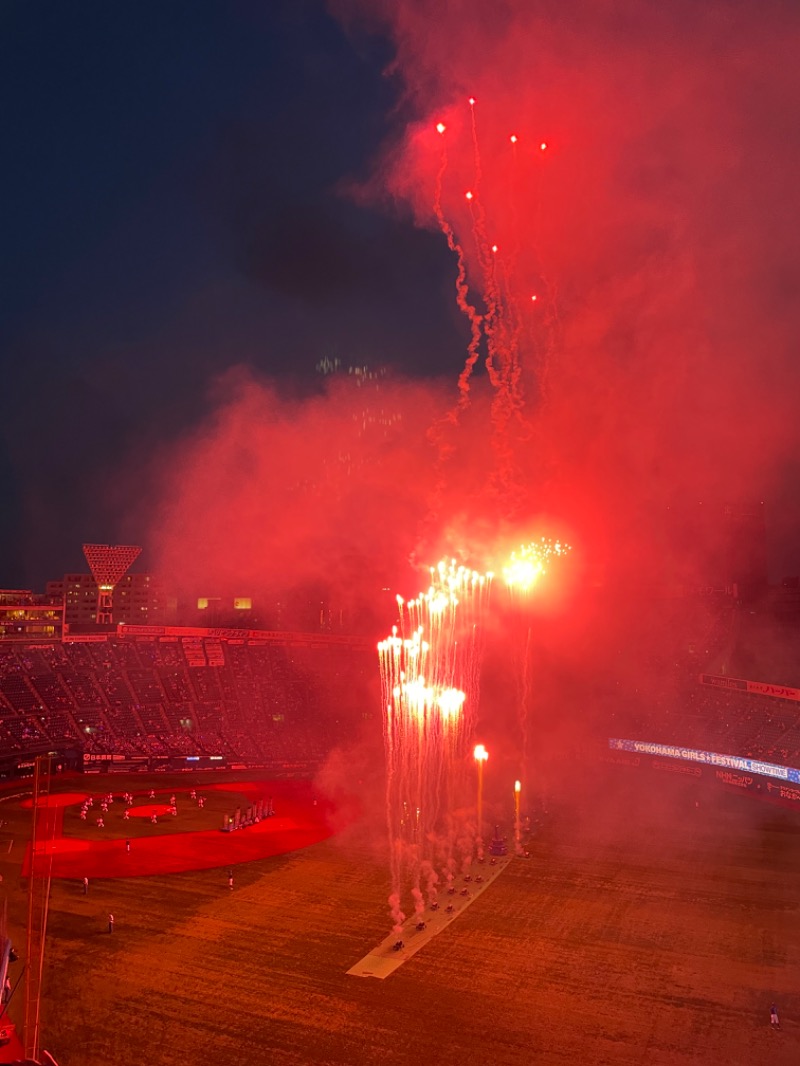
[(430, 676), (430, 664), (500, 283), (529, 563), (430, 680)]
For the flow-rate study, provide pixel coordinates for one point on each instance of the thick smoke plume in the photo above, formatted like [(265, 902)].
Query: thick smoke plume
[(616, 183), (646, 203), (275, 494), (655, 228)]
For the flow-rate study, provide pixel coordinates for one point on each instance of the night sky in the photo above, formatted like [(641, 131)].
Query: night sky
[(175, 205), (203, 201)]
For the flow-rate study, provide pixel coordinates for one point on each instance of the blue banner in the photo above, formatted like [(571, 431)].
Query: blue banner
[(707, 758)]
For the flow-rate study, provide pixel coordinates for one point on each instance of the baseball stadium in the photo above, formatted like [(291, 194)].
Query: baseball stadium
[(438, 359), (196, 865)]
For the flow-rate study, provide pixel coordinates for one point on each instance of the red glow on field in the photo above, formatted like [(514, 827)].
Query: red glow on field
[(160, 810)]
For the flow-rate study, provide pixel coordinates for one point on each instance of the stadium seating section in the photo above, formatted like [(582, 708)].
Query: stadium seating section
[(265, 704)]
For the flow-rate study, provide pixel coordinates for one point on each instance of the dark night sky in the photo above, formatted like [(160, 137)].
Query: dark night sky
[(174, 204), (195, 188)]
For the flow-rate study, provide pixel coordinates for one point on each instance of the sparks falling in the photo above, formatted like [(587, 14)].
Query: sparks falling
[(429, 679), (494, 292), (430, 682)]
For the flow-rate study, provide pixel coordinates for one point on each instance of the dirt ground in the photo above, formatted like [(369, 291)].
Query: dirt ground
[(639, 931)]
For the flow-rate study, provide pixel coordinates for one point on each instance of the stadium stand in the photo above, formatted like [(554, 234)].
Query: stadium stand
[(151, 701), (736, 691)]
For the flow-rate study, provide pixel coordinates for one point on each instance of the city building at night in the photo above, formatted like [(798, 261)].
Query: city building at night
[(137, 599), (26, 616)]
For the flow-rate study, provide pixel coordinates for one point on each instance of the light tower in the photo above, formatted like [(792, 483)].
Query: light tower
[(108, 564)]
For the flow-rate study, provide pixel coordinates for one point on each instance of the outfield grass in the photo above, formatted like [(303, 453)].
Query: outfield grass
[(630, 936)]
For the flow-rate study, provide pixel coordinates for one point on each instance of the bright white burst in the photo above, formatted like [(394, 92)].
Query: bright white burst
[(526, 566)]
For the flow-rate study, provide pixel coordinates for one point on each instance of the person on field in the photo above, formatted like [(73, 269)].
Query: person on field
[(774, 1021), (111, 923), (86, 886)]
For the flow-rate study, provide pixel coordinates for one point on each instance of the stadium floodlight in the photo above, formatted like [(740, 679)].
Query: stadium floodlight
[(109, 564)]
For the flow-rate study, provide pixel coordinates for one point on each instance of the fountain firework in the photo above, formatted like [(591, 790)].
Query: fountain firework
[(430, 680)]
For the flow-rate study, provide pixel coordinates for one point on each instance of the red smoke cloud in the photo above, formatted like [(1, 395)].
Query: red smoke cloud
[(276, 493), (655, 368), (357, 490)]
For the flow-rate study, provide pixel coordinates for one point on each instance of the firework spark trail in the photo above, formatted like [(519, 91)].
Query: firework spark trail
[(502, 363), (502, 327), (551, 317), (481, 239), (462, 289), (476, 155), (406, 726), (514, 299), (425, 664), (477, 210), (485, 256), (513, 200), (503, 333)]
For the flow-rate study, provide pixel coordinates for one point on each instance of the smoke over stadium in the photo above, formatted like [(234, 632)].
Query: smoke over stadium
[(515, 658), (634, 326)]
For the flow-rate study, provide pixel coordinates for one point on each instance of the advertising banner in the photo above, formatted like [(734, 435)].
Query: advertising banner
[(707, 758), (755, 688)]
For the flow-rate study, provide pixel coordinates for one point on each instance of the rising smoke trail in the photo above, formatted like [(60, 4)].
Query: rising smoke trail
[(512, 332), (462, 289)]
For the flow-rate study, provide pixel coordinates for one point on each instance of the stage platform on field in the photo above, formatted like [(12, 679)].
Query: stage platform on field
[(383, 960)]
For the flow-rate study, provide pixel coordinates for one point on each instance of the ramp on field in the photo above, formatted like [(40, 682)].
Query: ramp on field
[(384, 959)]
